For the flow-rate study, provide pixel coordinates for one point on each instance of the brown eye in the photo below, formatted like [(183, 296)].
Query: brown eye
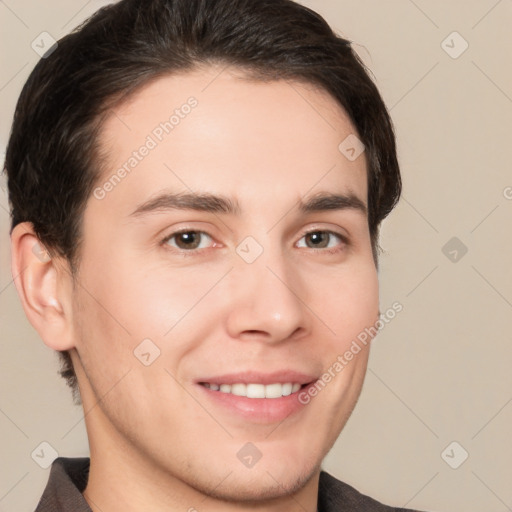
[(321, 240), (188, 240), (318, 239)]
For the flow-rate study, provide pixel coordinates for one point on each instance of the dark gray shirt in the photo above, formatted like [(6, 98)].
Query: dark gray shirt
[(68, 479)]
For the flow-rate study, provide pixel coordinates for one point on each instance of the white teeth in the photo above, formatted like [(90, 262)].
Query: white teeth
[(239, 389), (276, 390), (287, 389), (255, 391), (273, 391)]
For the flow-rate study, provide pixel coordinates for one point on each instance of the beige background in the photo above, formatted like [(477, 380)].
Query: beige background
[(440, 371)]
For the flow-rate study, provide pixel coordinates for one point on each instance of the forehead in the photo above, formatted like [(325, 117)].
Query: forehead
[(216, 131)]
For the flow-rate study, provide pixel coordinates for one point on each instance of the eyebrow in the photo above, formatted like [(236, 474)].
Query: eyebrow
[(204, 202), (328, 201)]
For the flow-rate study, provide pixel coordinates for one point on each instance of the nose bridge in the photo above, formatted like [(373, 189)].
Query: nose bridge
[(266, 295)]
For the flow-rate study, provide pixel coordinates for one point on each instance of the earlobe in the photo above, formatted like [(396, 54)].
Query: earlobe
[(41, 286)]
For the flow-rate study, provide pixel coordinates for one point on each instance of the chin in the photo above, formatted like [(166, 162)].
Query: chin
[(268, 482), (261, 487)]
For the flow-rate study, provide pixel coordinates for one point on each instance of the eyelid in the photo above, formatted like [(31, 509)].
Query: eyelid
[(188, 252), (335, 231), (344, 239)]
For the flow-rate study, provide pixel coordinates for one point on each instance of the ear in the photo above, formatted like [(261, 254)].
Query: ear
[(44, 286)]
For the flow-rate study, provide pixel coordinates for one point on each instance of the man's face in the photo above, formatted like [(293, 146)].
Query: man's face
[(265, 294)]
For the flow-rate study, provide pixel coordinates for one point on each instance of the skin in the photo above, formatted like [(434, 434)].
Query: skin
[(157, 443)]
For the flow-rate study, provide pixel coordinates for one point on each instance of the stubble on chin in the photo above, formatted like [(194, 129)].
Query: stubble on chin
[(266, 489)]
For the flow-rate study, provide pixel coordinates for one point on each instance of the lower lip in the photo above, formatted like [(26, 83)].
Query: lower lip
[(257, 410)]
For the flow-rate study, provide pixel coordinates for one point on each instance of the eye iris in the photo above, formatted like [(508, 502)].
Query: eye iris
[(188, 240), (318, 239)]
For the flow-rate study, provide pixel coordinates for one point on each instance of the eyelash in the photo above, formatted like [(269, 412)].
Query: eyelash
[(191, 252)]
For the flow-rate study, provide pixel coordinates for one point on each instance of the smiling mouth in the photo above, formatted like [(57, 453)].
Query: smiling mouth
[(274, 390)]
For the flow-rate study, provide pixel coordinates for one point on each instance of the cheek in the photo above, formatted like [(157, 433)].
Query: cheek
[(136, 301), (122, 303), (104, 337), (349, 302), (114, 314)]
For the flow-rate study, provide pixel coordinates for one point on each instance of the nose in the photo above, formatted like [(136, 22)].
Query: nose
[(269, 302)]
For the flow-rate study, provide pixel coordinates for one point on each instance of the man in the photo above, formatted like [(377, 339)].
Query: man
[(196, 191)]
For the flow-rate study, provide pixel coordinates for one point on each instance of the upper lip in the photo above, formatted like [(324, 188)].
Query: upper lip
[(254, 377)]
